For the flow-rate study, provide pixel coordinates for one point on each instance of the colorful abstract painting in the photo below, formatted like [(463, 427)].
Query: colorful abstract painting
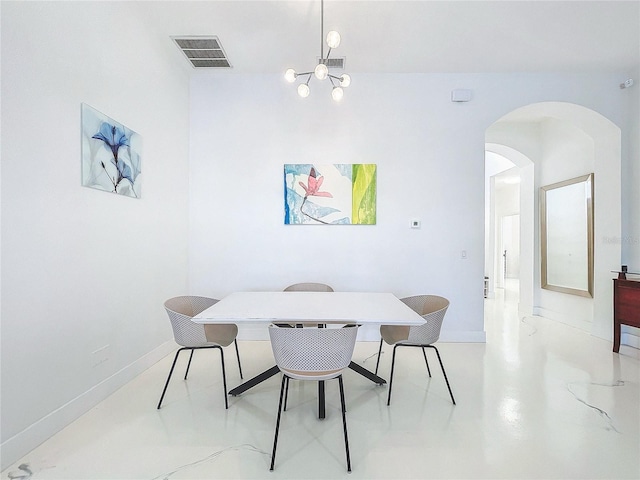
[(331, 194), (110, 154)]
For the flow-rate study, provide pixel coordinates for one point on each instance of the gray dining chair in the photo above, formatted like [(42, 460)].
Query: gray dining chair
[(305, 287), (432, 308), (194, 336), (312, 354), (309, 287)]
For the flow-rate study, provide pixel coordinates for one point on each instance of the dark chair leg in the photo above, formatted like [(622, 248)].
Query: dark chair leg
[(443, 372), (393, 363), (238, 356), (188, 364), (379, 353), (344, 423), (426, 361), (224, 378), (286, 395), (175, 359), (322, 412), (275, 438)]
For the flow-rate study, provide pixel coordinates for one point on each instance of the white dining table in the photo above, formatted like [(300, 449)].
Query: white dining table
[(362, 308), (310, 307)]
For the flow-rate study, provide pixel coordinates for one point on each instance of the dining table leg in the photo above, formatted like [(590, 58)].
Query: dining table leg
[(254, 381), (366, 373)]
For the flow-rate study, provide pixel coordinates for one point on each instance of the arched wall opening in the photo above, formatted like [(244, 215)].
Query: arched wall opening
[(525, 168), (550, 142)]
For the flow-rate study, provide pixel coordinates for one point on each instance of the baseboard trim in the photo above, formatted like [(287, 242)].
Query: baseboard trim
[(16, 447), (628, 338), (583, 325)]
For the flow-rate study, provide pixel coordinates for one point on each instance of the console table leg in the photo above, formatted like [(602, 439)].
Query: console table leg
[(616, 336)]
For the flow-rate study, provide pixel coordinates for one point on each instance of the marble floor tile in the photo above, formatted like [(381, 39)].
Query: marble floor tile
[(539, 400)]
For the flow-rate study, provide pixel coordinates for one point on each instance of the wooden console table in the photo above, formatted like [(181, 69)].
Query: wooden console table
[(626, 307)]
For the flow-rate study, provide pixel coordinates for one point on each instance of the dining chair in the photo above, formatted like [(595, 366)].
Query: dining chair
[(312, 354), (309, 287), (194, 336), (305, 287), (432, 308)]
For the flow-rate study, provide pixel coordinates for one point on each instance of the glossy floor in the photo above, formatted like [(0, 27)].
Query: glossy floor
[(538, 400)]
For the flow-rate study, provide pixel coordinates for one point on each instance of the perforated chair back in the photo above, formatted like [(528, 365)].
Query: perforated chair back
[(308, 287), (181, 310), (313, 353), (432, 308), (191, 336)]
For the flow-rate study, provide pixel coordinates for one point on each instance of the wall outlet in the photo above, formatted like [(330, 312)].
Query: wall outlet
[(415, 223), (463, 254)]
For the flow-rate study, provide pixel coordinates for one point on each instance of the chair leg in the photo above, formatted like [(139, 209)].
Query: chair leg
[(175, 359), (426, 361), (443, 372), (379, 353), (275, 438), (286, 395), (238, 356), (188, 364), (393, 363), (224, 378), (344, 423)]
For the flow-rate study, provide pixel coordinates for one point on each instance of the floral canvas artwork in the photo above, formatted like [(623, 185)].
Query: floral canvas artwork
[(331, 194), (110, 154)]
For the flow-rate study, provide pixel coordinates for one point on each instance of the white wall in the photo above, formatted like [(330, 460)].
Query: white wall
[(630, 238), (429, 153), (245, 128), (631, 177), (83, 270), (567, 152)]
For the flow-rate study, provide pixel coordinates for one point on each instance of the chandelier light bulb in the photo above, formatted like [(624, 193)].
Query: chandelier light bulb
[(345, 80), (337, 93), (333, 39), (321, 71), (303, 90), (290, 75)]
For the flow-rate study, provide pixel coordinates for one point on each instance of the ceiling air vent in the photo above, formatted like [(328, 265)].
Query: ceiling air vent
[(203, 52), (337, 62)]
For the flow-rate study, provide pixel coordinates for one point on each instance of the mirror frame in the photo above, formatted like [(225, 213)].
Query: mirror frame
[(587, 180)]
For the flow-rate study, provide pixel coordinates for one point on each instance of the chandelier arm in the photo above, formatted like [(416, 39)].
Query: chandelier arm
[(326, 60)]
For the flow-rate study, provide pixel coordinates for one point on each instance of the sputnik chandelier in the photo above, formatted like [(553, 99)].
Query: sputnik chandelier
[(321, 72)]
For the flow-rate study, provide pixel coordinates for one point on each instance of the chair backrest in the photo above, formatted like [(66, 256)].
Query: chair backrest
[(308, 287), (432, 308), (180, 310), (313, 353)]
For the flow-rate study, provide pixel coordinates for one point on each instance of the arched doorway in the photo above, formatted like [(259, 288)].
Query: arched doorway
[(550, 142)]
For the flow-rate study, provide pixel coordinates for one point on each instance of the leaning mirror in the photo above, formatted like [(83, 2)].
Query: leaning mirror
[(566, 215)]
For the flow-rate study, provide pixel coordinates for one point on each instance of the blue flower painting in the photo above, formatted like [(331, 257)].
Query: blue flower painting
[(110, 154)]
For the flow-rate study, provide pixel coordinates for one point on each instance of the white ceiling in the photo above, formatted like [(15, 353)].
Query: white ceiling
[(404, 36)]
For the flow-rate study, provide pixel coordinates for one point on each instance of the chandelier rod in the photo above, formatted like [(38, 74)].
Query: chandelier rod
[(321, 29)]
